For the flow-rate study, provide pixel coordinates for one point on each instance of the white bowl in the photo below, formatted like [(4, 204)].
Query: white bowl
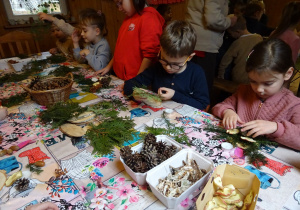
[(18, 66), (161, 171), (140, 178)]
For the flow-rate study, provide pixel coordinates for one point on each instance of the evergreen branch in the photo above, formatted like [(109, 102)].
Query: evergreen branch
[(34, 169), (251, 148), (60, 112)]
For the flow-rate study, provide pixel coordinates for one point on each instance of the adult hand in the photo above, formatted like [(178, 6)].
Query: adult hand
[(259, 127), (43, 206), (166, 93), (44, 16), (230, 119), (53, 51), (233, 19), (83, 53)]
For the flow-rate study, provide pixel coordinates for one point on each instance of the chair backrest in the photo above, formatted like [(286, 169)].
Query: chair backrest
[(17, 41)]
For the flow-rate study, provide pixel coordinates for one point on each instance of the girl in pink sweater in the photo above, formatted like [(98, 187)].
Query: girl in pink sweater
[(265, 107)]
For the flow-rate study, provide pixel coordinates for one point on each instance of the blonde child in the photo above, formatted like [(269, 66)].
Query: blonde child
[(97, 50), (138, 39), (265, 107)]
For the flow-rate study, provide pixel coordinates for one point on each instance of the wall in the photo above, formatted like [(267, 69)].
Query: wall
[(114, 18)]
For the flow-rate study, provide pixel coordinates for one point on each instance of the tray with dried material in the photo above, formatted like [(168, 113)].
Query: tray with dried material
[(176, 162)]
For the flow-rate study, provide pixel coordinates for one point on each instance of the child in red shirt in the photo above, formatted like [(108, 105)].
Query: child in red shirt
[(138, 39)]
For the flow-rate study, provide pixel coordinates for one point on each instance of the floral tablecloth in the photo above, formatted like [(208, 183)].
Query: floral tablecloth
[(100, 182)]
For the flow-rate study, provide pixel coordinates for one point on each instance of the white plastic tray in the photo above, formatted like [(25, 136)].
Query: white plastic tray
[(161, 171), (140, 178)]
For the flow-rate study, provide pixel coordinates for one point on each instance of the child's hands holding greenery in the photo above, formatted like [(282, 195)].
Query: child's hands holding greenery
[(259, 127), (166, 93), (230, 119)]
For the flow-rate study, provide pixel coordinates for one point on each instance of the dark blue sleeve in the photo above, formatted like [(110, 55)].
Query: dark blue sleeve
[(200, 96), (143, 79)]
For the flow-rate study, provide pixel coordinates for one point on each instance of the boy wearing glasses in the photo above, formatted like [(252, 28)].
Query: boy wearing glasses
[(174, 77)]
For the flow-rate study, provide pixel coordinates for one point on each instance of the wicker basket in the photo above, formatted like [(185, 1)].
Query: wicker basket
[(49, 97)]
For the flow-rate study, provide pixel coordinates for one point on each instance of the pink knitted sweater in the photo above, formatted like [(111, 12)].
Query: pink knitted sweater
[(282, 108)]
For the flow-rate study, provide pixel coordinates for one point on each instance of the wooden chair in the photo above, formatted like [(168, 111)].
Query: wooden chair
[(16, 42)]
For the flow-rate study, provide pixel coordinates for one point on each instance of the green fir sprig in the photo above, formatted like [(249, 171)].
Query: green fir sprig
[(14, 100), (63, 71), (34, 169), (57, 58), (251, 148), (60, 112), (178, 133)]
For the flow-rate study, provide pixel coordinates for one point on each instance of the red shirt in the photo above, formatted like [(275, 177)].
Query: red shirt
[(138, 38)]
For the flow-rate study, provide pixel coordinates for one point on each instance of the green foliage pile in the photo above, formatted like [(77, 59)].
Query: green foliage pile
[(14, 100), (178, 133), (251, 148), (57, 59), (112, 131), (63, 71), (60, 112)]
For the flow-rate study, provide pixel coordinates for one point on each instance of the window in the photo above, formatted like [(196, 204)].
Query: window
[(24, 9)]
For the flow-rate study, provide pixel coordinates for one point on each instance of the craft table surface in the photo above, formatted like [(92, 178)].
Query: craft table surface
[(118, 190)]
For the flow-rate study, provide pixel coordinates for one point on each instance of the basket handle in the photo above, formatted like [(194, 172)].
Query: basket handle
[(69, 74), (25, 88)]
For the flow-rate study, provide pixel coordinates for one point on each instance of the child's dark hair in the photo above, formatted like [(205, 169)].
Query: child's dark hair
[(252, 8), (92, 17), (240, 24), (178, 39), (270, 55), (290, 17), (139, 5)]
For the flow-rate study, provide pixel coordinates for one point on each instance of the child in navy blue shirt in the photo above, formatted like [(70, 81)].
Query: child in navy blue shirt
[(174, 77)]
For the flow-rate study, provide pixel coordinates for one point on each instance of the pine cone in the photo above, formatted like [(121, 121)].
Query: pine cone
[(150, 138), (125, 152), (22, 184), (105, 82), (141, 167), (161, 146)]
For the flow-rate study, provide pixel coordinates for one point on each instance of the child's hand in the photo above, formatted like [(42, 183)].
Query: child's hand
[(53, 51), (44, 16), (230, 119), (259, 127), (76, 35), (101, 72), (166, 93), (83, 53)]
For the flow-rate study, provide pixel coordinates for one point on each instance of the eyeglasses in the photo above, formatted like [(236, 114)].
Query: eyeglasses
[(172, 65)]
